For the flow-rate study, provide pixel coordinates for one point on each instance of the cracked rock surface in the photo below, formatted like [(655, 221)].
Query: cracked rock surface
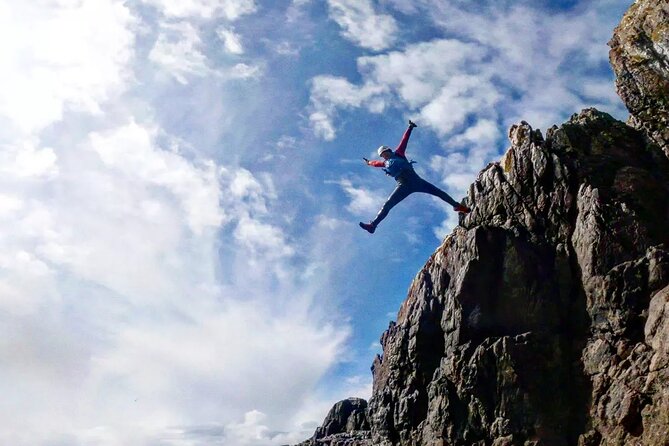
[(640, 58)]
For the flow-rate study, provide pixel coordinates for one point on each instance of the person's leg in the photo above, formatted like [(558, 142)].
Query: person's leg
[(429, 188), (400, 193)]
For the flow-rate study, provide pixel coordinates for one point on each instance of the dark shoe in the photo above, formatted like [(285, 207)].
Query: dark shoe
[(412, 124), (462, 209), (369, 227)]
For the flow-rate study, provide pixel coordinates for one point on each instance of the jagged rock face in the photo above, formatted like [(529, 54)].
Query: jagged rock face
[(346, 424), (640, 57), (533, 323), (346, 416)]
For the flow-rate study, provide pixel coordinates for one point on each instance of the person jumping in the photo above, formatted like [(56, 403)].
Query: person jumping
[(396, 165)]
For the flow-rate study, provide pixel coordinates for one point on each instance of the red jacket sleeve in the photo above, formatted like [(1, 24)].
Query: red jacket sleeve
[(403, 143), (376, 163)]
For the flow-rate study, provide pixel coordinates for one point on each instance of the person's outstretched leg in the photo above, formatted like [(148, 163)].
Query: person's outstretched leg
[(431, 189), (400, 193)]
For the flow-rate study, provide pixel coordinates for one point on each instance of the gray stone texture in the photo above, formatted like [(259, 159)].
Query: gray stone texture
[(640, 58)]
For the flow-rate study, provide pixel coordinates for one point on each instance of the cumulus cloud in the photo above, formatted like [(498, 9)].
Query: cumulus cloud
[(419, 72), (549, 67), (430, 77), (362, 25), (328, 93), (59, 56)]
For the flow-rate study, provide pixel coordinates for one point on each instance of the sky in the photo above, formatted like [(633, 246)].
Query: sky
[(182, 181)]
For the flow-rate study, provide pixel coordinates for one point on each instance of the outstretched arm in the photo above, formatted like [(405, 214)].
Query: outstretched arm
[(402, 147), (374, 163)]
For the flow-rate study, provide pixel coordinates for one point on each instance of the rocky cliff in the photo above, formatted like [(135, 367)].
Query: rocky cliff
[(640, 58), (543, 319)]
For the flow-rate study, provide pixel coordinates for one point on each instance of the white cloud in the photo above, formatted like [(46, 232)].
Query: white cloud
[(261, 244), (430, 77), (330, 92), (124, 228), (460, 98), (177, 51), (27, 283), (362, 25), (363, 202), (9, 204), (419, 72), (286, 143), (180, 51), (322, 125), (547, 60), (262, 239), (231, 41), (244, 185), (484, 133), (119, 251), (131, 151), (250, 431), (330, 88), (26, 160), (228, 9), (247, 196), (243, 345), (243, 71), (118, 214), (59, 56), (285, 48), (295, 12)]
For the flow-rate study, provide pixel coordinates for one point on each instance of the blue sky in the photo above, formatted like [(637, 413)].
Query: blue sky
[(182, 181)]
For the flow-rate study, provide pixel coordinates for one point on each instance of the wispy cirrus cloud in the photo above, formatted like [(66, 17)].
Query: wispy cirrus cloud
[(178, 52), (228, 9)]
